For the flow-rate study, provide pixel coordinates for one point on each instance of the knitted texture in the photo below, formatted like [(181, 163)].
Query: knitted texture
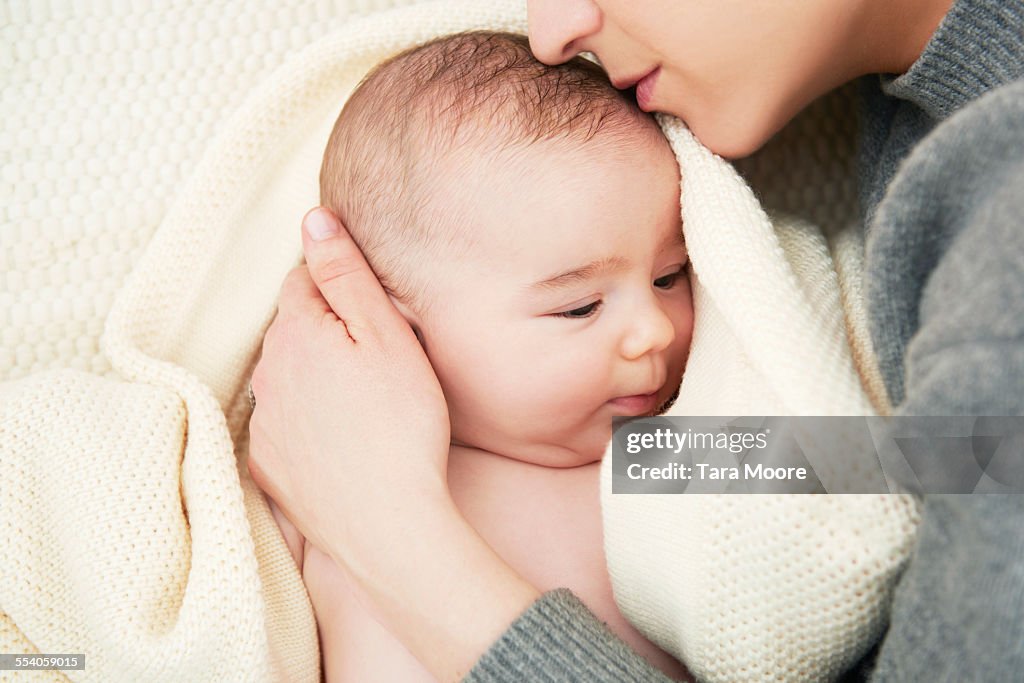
[(143, 551), (149, 448), (528, 641), (107, 107), (755, 588), (131, 530)]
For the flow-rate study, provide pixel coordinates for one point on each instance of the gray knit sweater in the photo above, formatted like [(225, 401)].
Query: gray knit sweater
[(942, 186)]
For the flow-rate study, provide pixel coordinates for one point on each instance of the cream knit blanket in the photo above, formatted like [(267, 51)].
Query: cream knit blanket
[(762, 587), (132, 534)]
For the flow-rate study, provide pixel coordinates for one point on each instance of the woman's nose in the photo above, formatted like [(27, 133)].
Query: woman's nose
[(650, 331), (559, 28)]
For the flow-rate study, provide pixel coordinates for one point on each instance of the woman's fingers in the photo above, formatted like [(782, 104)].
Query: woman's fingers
[(300, 293), (344, 278), (350, 420)]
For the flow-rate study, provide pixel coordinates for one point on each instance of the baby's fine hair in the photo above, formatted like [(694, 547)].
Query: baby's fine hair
[(478, 91)]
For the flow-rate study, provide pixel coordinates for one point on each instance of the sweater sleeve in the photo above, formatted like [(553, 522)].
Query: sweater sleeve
[(958, 611), (559, 639)]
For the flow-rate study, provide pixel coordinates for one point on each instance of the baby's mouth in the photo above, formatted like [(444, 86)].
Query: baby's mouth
[(663, 408)]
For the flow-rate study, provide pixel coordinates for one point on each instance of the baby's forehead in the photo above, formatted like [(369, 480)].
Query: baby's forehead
[(526, 204)]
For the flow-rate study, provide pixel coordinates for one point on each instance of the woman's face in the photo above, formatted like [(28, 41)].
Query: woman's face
[(734, 70)]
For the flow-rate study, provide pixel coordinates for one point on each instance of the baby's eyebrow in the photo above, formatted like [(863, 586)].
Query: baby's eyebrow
[(581, 274)]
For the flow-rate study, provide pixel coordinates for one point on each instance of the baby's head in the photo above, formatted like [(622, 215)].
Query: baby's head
[(525, 220)]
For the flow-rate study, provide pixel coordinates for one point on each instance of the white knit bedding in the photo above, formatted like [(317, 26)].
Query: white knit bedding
[(180, 143), (107, 106)]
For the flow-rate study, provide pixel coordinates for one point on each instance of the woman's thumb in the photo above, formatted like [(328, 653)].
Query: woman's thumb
[(342, 274)]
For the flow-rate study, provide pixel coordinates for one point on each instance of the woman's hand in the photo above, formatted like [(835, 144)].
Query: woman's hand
[(350, 437), (350, 434)]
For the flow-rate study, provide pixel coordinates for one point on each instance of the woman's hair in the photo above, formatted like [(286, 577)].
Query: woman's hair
[(477, 91)]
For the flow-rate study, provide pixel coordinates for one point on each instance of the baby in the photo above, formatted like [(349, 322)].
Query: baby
[(525, 221)]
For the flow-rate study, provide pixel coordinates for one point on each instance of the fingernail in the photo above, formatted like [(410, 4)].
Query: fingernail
[(320, 225)]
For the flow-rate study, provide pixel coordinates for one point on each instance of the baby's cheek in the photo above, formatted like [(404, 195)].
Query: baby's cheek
[(552, 387)]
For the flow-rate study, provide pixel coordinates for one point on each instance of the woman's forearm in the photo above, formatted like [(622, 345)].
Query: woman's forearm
[(559, 639), (465, 614), (438, 587)]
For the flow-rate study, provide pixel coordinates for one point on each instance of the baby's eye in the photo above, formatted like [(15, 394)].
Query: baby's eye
[(668, 281), (582, 311)]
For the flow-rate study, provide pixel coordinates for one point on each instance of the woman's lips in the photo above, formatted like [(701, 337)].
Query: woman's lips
[(645, 89)]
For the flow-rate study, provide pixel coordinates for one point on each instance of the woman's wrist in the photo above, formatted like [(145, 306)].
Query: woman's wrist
[(371, 544), (438, 587)]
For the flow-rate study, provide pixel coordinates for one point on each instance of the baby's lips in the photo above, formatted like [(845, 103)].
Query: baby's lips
[(636, 405)]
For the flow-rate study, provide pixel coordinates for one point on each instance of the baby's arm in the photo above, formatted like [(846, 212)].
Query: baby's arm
[(354, 646)]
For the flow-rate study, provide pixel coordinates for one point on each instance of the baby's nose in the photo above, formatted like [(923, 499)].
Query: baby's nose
[(651, 331)]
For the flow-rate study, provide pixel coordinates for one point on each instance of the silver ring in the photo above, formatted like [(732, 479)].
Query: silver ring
[(252, 397)]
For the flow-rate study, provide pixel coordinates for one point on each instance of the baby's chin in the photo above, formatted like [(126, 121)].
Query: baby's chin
[(561, 455)]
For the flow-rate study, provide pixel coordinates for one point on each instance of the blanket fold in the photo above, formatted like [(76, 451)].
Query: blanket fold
[(761, 587), (133, 533)]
